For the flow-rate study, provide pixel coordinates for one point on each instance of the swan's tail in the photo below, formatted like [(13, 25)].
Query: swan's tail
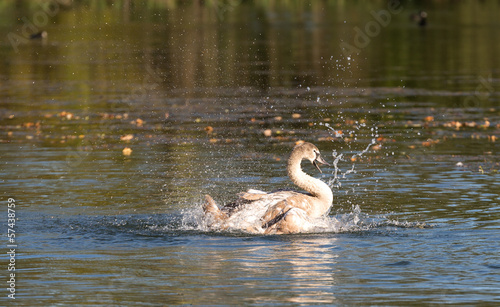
[(215, 216)]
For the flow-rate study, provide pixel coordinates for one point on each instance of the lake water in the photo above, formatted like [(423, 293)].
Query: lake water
[(115, 126)]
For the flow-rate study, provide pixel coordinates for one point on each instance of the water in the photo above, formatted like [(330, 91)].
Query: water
[(412, 122)]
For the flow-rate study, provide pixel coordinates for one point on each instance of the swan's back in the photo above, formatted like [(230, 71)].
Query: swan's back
[(250, 210), (257, 199)]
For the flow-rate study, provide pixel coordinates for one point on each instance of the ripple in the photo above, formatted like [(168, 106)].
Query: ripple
[(399, 263)]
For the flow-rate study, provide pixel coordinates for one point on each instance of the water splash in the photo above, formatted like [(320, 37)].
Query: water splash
[(335, 181), (373, 142), (355, 220), (144, 230), (193, 219)]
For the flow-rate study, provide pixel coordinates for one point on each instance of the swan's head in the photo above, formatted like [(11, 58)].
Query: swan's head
[(310, 152)]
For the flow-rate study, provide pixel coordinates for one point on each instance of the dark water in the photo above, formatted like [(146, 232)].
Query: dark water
[(194, 91)]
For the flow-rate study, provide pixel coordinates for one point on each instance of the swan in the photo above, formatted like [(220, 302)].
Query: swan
[(279, 212)]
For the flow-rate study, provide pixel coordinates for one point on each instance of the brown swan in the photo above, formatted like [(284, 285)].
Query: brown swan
[(277, 212)]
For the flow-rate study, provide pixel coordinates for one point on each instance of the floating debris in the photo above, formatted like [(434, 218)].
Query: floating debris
[(66, 115), (127, 137), (209, 129), (328, 138), (138, 122), (127, 151), (429, 143), (453, 124), (377, 147)]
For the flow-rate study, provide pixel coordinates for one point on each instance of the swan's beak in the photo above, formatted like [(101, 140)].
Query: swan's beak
[(319, 159)]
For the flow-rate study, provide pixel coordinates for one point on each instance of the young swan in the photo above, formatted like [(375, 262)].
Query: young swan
[(278, 212)]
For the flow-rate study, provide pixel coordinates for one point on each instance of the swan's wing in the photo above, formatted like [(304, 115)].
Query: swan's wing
[(244, 198), (275, 196), (253, 200), (251, 195), (256, 191)]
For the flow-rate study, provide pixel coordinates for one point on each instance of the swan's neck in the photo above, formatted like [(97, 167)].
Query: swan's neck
[(316, 187)]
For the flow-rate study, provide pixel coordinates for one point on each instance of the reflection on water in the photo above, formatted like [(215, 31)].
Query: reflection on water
[(135, 259), (209, 97)]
